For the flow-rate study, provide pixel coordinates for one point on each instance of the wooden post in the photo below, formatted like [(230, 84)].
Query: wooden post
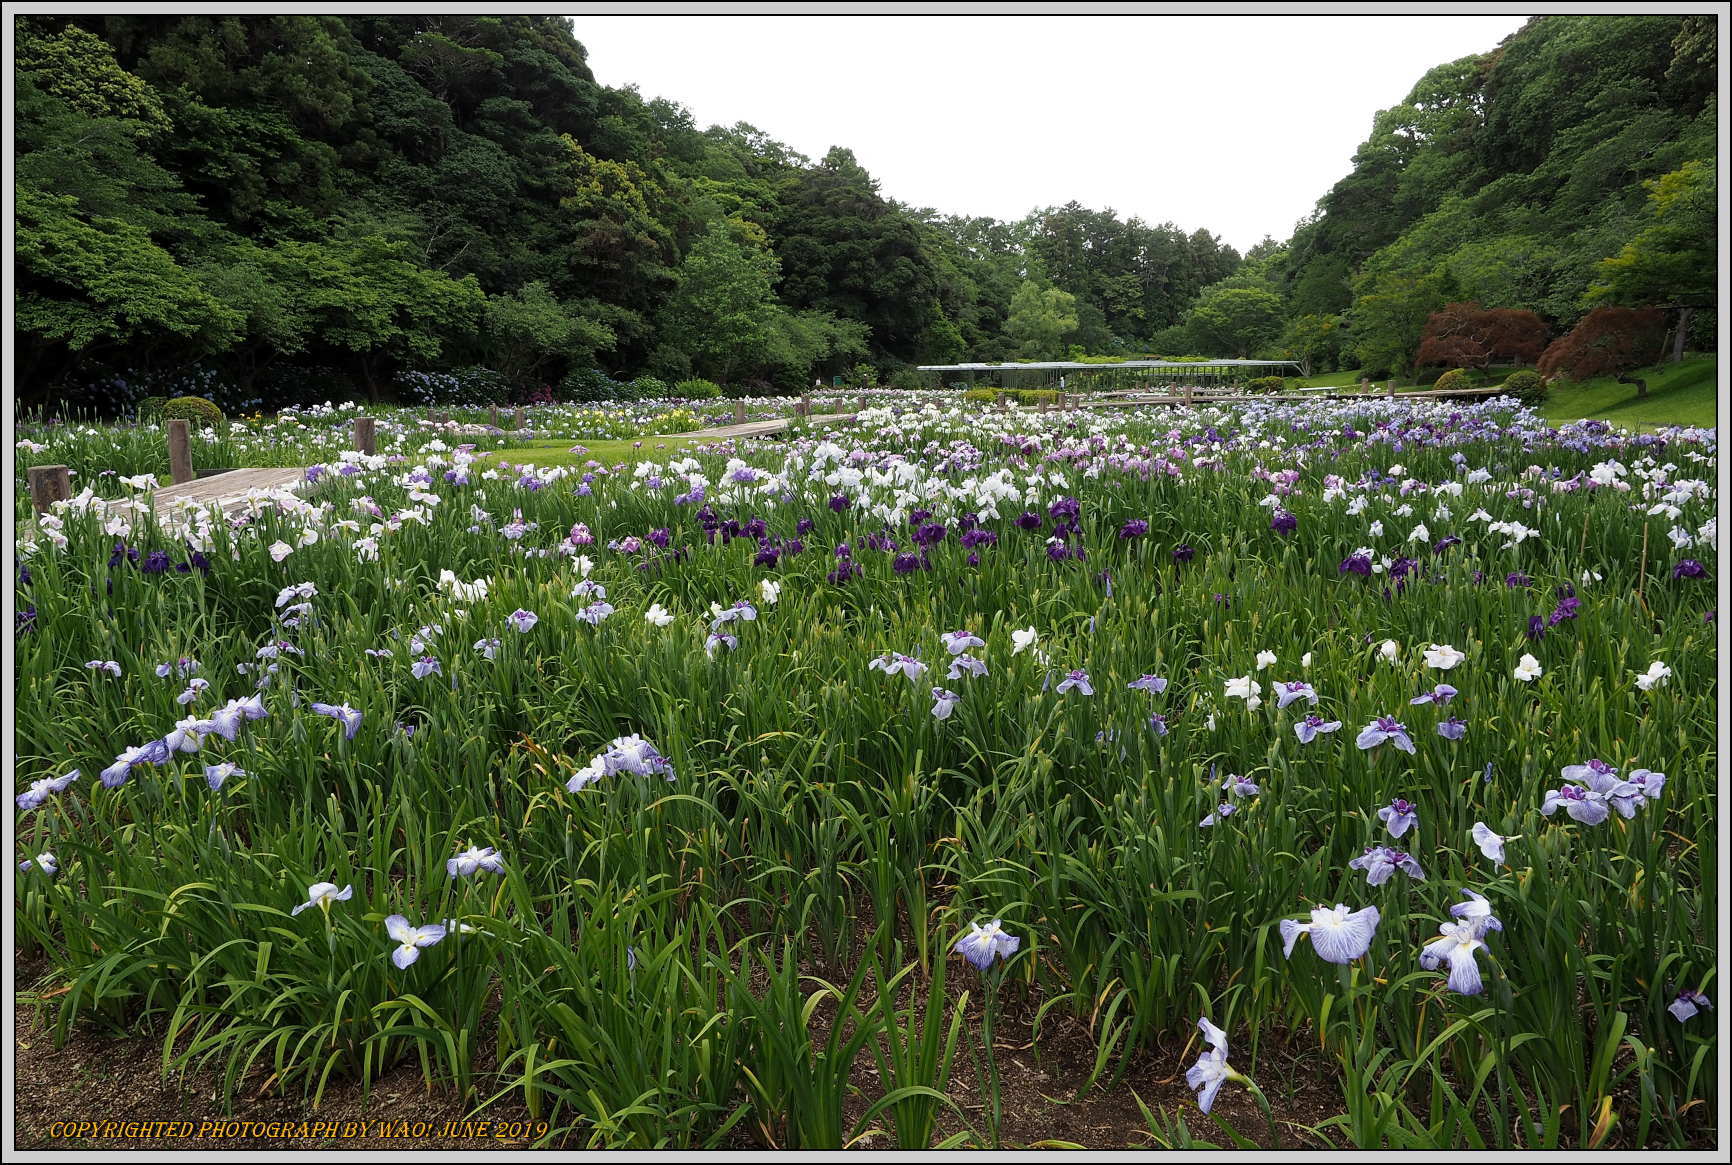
[(862, 402), (1003, 401), (805, 407), (493, 415), (179, 452), (366, 436), (49, 484), (739, 412)]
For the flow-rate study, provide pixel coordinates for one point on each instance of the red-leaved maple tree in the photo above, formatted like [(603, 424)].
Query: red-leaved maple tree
[(1466, 335), (1610, 341)]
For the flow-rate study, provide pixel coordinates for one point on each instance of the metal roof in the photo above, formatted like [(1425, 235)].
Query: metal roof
[(1079, 365)]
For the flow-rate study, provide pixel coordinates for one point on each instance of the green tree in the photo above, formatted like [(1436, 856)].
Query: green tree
[(528, 330), (723, 317), (1236, 321), (1040, 319), (1672, 260)]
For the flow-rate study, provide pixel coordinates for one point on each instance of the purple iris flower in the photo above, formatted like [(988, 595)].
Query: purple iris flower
[(1283, 522), (426, 666), (1382, 729), (1688, 1005), (966, 664), (957, 642), (1381, 862), (1292, 690), (1648, 783), (1222, 811), (1183, 553), (983, 945), (473, 860), (1337, 934), (1602, 779), (40, 791), (595, 613), (1441, 694), (1355, 564), (1135, 528), (1078, 679), (1452, 729), (350, 717), (944, 702), (1211, 1070), (1309, 728), (1689, 568), (215, 775), (1585, 805), (1240, 786), (895, 663), (1158, 724), (115, 775), (521, 621), (1399, 815), (1154, 685)]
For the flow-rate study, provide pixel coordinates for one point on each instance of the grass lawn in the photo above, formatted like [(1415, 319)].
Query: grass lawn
[(1331, 379), (606, 452), (1678, 394)]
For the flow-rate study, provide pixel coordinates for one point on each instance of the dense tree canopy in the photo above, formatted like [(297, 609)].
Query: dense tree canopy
[(1569, 166), (375, 194)]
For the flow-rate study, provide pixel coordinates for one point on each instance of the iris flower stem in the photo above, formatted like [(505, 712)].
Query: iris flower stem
[(989, 1017)]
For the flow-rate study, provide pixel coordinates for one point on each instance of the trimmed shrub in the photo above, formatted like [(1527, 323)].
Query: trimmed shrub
[(1527, 386), (1454, 380), (698, 389), (1265, 384), (196, 409), (587, 385), (150, 408), (648, 388)]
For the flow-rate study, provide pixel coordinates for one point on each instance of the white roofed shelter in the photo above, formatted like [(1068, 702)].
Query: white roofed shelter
[(1048, 372)]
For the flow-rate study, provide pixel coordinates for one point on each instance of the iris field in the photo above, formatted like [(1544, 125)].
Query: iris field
[(738, 799)]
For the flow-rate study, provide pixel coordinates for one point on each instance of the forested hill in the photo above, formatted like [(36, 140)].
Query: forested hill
[(1518, 179), (274, 208)]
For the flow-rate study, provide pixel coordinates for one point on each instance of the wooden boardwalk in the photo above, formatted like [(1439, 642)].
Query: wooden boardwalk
[(756, 428), (221, 489)]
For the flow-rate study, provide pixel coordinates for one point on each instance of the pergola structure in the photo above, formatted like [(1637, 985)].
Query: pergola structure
[(1053, 373)]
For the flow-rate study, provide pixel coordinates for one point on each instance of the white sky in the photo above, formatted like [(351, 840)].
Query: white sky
[(1237, 125)]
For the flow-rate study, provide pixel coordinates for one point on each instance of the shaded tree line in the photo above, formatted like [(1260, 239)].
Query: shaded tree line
[(316, 204)]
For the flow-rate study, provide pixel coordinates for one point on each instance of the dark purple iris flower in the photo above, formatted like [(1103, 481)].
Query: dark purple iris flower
[(1135, 528), (1183, 553), (1283, 522), (1356, 564), (1689, 568)]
